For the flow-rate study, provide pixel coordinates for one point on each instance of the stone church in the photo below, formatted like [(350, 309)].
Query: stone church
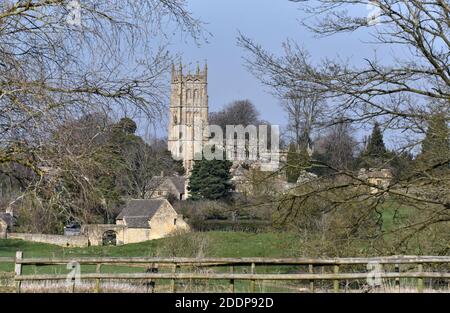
[(188, 110), (188, 118)]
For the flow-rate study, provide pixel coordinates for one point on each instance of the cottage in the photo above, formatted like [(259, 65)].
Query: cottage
[(149, 219), (378, 177), (163, 187)]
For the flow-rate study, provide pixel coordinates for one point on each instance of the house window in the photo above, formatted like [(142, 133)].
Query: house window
[(174, 221)]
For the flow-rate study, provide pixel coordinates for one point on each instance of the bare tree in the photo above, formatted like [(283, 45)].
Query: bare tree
[(336, 147), (304, 111), (400, 95), (240, 112), (60, 60), (146, 162)]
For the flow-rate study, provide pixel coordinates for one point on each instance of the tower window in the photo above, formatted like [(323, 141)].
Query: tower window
[(180, 135)]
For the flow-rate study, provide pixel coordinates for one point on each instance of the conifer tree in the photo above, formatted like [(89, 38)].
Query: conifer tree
[(375, 154), (298, 160), (210, 179), (435, 152)]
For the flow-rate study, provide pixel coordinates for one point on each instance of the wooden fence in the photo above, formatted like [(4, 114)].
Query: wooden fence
[(306, 270)]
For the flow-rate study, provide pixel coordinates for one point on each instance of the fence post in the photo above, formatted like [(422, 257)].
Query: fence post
[(97, 282), (152, 282), (336, 281), (18, 269), (252, 282), (232, 280), (420, 279), (311, 282), (397, 280), (174, 270)]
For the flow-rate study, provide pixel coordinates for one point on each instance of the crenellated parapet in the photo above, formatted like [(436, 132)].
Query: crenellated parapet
[(178, 76)]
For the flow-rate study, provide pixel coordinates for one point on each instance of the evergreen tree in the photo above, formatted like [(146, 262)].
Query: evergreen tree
[(401, 165), (376, 147), (435, 147), (210, 179), (127, 125), (297, 161), (375, 154), (127, 163)]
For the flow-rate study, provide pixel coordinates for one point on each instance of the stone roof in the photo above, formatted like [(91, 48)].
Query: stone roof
[(7, 218), (375, 173), (137, 213), (136, 221), (177, 181)]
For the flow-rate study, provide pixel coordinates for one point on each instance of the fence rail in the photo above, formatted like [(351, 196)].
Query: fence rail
[(141, 276), (242, 261), (336, 275)]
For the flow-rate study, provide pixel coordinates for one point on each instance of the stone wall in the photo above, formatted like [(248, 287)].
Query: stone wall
[(3, 229), (134, 235), (63, 241), (95, 232)]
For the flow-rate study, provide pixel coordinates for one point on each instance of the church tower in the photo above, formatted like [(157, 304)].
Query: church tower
[(188, 111)]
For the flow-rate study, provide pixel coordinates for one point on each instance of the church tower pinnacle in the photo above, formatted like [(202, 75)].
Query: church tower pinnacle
[(188, 109)]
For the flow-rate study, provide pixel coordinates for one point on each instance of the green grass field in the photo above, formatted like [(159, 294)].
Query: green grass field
[(208, 244), (204, 244), (218, 244)]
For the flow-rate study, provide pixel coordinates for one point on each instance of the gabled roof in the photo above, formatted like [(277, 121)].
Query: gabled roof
[(136, 221), (177, 181), (375, 173), (141, 209)]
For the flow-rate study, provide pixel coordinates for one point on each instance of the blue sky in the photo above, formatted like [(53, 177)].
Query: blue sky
[(269, 22)]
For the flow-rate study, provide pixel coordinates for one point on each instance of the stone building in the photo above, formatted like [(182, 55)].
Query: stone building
[(144, 220), (140, 220), (378, 177), (163, 187), (188, 113)]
